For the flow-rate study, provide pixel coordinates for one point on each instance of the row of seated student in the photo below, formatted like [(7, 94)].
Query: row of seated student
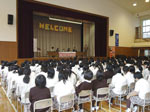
[(73, 76)]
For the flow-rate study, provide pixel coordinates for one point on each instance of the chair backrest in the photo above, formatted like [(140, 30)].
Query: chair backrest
[(67, 98), (124, 88), (147, 96), (85, 93), (41, 104), (51, 89), (109, 80), (132, 85), (103, 91)]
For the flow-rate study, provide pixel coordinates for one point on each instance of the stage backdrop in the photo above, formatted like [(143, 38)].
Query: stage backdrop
[(60, 35)]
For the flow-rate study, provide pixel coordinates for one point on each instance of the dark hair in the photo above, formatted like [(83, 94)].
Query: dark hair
[(20, 71), (51, 73), (61, 76), (117, 70), (26, 78), (88, 75), (125, 69), (138, 75), (99, 75), (109, 67), (132, 69), (40, 81)]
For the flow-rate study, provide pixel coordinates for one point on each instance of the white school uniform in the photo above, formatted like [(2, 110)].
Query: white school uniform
[(117, 82), (129, 77), (142, 87), (62, 89)]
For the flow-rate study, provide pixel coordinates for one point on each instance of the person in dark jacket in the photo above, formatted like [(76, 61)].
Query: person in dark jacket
[(99, 82), (39, 92)]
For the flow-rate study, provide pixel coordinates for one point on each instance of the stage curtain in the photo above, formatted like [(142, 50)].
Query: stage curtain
[(62, 40), (89, 38)]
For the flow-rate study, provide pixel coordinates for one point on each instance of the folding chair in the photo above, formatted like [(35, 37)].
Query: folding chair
[(109, 80), (146, 102), (66, 102), (84, 97), (131, 87), (100, 92), (124, 88), (41, 104)]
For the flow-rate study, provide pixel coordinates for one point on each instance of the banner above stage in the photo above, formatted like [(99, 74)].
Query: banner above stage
[(53, 27)]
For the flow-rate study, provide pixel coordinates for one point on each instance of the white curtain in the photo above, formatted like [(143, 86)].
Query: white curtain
[(89, 38), (62, 40)]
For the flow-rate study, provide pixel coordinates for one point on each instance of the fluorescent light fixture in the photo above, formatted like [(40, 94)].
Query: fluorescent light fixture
[(62, 20), (146, 0), (134, 4)]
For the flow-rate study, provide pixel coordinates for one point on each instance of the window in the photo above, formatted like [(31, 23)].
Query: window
[(146, 28), (147, 52)]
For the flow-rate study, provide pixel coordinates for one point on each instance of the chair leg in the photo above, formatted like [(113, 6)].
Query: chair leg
[(143, 109), (96, 105), (120, 104), (109, 105), (91, 106)]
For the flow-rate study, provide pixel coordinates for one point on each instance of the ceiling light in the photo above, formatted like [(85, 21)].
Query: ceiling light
[(134, 4), (62, 20), (146, 0)]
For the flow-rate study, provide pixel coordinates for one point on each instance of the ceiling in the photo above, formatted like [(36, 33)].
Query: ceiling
[(127, 4)]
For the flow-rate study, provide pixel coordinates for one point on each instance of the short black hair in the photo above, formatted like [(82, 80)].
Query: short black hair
[(125, 69), (117, 70), (138, 75), (100, 75), (51, 73), (88, 75), (132, 69), (40, 81)]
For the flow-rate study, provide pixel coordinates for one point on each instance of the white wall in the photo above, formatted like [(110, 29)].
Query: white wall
[(121, 20), (7, 32)]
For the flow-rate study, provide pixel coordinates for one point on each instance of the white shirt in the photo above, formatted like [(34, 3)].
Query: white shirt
[(118, 81), (142, 87), (129, 77), (146, 73), (62, 89)]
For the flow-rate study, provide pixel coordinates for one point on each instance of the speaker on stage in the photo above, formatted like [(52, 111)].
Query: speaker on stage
[(111, 32), (10, 19)]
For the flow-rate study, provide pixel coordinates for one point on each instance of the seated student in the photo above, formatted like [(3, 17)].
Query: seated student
[(39, 92), (24, 87), (52, 49), (74, 49), (63, 87), (118, 80), (137, 96), (68, 50), (128, 75), (85, 84), (51, 80), (146, 70), (109, 71), (99, 82)]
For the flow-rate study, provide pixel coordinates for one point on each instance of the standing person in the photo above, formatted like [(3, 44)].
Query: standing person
[(85, 49), (39, 92)]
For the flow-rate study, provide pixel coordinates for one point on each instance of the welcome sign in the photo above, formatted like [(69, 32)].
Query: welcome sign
[(57, 28)]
